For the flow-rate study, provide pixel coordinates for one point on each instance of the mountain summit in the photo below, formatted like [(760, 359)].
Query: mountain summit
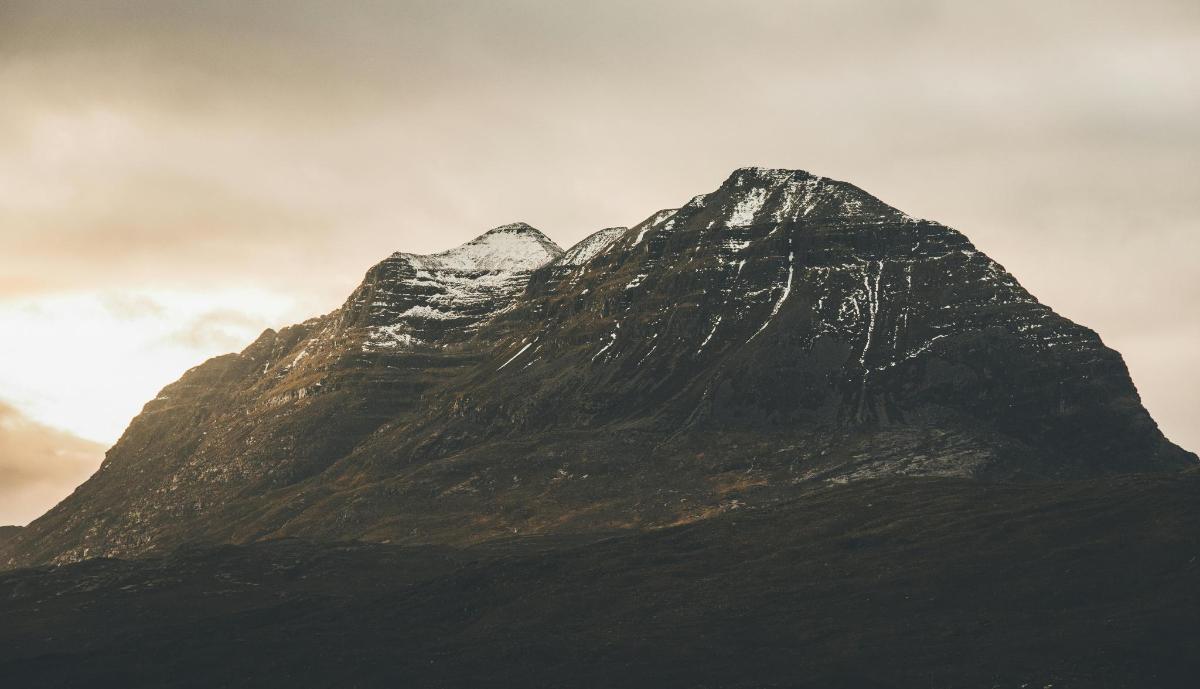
[(783, 332), (508, 248)]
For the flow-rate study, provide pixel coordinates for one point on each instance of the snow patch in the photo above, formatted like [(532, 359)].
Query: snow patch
[(712, 332), (514, 356), (590, 247), (747, 207), (508, 248), (787, 290)]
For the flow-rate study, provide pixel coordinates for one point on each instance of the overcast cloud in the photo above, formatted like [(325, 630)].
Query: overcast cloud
[(37, 464)]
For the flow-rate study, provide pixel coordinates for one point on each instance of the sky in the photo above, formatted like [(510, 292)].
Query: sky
[(177, 176)]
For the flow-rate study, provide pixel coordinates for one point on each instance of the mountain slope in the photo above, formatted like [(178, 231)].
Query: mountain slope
[(782, 330), (7, 533)]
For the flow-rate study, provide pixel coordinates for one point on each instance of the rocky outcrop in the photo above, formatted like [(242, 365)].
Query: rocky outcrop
[(781, 332)]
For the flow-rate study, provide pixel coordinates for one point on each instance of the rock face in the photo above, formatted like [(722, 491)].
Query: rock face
[(8, 533), (783, 331)]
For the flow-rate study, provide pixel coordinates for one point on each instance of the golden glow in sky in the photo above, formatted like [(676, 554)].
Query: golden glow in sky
[(88, 362)]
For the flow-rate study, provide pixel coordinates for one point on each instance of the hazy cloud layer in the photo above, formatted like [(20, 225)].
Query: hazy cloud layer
[(39, 466), (286, 146)]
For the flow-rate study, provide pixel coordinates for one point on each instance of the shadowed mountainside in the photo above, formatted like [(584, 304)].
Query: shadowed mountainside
[(895, 583)]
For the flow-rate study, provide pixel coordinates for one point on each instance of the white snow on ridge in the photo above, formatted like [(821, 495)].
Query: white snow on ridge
[(462, 284), (748, 207), (389, 337), (508, 248), (794, 194), (653, 222), (590, 247), (427, 312)]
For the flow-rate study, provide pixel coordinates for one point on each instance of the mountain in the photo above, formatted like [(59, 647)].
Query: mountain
[(780, 333)]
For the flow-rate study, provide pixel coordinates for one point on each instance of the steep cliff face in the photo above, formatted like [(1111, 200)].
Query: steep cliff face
[(781, 331)]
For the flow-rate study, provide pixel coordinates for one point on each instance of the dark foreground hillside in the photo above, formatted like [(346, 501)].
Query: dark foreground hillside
[(889, 583)]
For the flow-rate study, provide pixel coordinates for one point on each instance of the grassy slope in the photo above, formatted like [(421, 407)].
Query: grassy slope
[(896, 583)]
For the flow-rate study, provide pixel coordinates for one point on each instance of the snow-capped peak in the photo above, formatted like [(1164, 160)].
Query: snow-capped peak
[(590, 246), (753, 195), (511, 248)]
